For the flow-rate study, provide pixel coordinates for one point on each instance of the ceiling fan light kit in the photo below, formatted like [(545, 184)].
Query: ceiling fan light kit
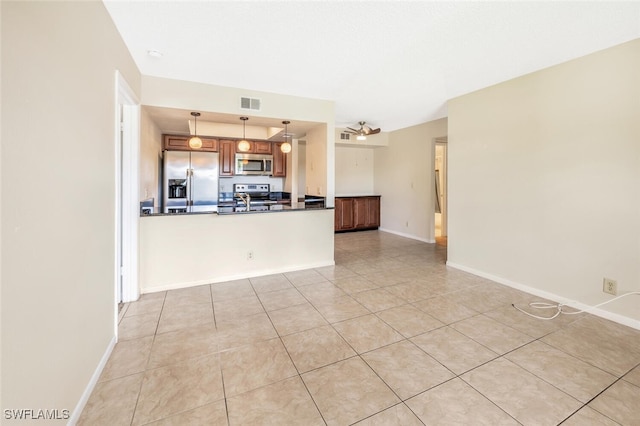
[(363, 131)]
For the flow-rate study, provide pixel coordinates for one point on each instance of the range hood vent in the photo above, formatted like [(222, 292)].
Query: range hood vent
[(252, 104)]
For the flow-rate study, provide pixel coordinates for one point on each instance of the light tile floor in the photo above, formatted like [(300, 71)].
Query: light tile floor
[(388, 336)]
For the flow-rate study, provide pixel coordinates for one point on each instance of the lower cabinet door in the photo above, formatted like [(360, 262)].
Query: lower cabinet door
[(344, 214), (357, 213)]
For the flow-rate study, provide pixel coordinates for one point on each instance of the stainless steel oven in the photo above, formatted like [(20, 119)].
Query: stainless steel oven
[(254, 164), (252, 196)]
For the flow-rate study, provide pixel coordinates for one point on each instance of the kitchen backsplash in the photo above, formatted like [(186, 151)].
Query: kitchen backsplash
[(226, 183)]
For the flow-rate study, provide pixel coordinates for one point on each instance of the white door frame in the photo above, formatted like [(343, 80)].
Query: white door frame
[(442, 141), (127, 153)]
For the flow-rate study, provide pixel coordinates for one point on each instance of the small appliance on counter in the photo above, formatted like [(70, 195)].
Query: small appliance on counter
[(147, 206)]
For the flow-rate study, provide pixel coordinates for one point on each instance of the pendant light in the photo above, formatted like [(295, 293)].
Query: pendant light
[(286, 146), (195, 142), (244, 144)]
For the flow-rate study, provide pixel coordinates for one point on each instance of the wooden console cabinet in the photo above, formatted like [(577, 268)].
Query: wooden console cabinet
[(356, 213)]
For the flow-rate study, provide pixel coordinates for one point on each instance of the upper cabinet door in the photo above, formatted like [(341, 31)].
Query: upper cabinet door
[(227, 157), (262, 147), (279, 161), (181, 143), (256, 147), (251, 150)]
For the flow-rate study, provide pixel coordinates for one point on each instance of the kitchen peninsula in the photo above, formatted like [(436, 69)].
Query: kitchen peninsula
[(183, 250), (254, 227), (309, 204)]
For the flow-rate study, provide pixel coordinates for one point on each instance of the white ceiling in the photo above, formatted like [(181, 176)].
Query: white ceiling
[(391, 63)]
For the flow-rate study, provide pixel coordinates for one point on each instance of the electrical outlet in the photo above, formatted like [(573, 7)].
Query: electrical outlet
[(610, 286), (250, 255)]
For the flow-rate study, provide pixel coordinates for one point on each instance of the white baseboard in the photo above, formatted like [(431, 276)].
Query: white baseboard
[(179, 285), (620, 319), (402, 234), (75, 416)]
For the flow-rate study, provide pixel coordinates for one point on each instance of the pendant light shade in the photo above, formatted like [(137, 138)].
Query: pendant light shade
[(195, 142), (286, 146), (244, 144)]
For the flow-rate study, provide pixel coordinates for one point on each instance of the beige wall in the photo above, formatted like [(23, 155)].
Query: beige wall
[(58, 197), (404, 177), (544, 179), (301, 169), (274, 239), (207, 97), (317, 163), (150, 159), (354, 170)]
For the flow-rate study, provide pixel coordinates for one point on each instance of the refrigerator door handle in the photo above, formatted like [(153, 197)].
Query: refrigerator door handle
[(191, 187), (188, 187)]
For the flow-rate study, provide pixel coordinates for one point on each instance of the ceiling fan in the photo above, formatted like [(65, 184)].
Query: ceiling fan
[(363, 131)]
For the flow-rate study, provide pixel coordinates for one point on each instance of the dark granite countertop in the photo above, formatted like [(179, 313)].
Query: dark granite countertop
[(225, 208), (271, 208)]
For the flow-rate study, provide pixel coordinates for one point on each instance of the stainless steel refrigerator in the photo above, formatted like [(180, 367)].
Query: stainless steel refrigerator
[(190, 181)]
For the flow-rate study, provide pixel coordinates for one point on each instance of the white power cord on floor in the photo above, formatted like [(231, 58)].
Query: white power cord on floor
[(560, 307)]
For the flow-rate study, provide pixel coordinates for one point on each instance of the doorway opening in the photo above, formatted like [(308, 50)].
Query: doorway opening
[(127, 142), (440, 179)]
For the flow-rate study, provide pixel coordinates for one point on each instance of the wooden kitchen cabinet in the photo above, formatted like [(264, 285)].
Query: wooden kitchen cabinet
[(344, 214), (263, 147), (227, 151), (181, 143), (356, 213), (279, 161), (366, 211), (256, 147)]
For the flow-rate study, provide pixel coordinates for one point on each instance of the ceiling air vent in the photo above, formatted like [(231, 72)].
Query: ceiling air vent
[(250, 103), (344, 136)]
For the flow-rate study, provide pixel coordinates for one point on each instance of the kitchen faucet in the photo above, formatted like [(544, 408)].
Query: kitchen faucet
[(246, 199)]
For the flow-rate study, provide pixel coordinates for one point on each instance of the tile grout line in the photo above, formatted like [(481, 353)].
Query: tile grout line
[(290, 358)]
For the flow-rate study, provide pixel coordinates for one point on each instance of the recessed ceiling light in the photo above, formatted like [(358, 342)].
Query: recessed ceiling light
[(154, 53)]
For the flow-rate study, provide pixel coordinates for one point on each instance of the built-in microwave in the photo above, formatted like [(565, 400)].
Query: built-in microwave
[(254, 164)]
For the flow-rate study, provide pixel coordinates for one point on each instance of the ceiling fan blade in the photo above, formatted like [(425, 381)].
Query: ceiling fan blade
[(350, 130), (369, 131)]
